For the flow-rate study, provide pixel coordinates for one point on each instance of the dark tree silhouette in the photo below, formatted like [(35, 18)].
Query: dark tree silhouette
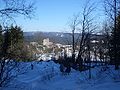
[(112, 8), (115, 59)]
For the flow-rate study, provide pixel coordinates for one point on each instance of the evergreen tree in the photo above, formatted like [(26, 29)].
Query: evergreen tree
[(13, 46), (16, 42), (1, 39), (115, 40)]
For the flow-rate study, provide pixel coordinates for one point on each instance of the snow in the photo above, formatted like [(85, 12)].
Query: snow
[(46, 76)]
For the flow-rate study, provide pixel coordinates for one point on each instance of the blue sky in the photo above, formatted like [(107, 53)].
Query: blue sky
[(52, 15)]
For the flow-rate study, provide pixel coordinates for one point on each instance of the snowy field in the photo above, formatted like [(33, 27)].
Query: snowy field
[(46, 76)]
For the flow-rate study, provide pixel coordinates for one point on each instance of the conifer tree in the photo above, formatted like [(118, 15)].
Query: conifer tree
[(1, 39), (117, 42)]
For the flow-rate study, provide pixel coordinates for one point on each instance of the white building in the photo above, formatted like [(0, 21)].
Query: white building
[(47, 42)]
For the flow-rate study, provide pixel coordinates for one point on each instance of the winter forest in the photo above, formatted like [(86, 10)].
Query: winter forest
[(86, 57)]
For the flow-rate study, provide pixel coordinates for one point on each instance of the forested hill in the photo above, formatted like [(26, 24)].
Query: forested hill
[(56, 37)]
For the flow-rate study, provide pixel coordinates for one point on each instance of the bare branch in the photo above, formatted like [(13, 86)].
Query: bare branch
[(12, 8)]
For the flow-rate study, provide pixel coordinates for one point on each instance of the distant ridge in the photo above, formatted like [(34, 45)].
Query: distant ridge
[(56, 37)]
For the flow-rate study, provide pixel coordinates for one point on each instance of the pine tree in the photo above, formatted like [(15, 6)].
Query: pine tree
[(1, 39), (16, 42), (5, 45), (115, 40), (13, 46)]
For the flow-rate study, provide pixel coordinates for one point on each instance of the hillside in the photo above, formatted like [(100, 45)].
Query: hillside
[(46, 76)]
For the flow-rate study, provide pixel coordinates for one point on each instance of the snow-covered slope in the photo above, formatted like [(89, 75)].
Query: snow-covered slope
[(46, 76)]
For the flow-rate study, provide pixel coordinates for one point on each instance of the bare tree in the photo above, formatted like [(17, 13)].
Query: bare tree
[(74, 25), (12, 8), (86, 28), (106, 42)]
